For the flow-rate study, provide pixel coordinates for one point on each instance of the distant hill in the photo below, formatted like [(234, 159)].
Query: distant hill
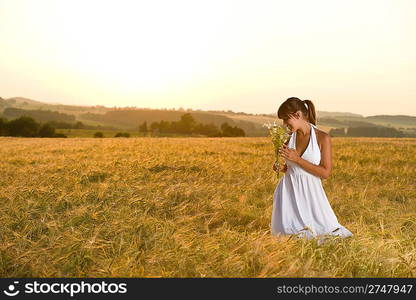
[(395, 120), (25, 103), (131, 117), (324, 114), (37, 114), (123, 118)]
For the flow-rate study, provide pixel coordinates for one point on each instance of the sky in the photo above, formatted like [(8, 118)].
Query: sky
[(245, 56)]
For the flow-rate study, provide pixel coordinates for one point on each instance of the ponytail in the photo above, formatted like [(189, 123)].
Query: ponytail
[(311, 115)]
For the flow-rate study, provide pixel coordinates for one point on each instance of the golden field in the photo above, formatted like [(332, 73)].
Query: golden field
[(196, 207)]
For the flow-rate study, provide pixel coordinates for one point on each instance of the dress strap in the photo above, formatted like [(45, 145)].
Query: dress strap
[(313, 134)]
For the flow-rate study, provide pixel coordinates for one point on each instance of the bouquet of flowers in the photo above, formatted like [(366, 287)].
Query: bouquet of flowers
[(279, 136)]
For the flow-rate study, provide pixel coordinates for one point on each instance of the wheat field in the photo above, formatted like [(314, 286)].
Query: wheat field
[(196, 207)]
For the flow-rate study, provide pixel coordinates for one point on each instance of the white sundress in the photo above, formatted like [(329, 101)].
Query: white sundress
[(300, 205)]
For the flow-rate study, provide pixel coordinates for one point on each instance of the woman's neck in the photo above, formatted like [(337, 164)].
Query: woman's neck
[(305, 129)]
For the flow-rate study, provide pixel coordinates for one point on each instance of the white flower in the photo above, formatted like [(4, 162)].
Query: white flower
[(278, 134)]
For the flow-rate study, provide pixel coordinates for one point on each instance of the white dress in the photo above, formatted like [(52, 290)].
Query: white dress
[(300, 205)]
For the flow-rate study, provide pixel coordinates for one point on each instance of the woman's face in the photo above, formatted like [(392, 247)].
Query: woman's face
[(292, 121)]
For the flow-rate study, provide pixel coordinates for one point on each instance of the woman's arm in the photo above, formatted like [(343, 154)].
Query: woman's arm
[(322, 170)]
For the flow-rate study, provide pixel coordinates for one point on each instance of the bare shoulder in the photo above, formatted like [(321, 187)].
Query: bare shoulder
[(322, 137)]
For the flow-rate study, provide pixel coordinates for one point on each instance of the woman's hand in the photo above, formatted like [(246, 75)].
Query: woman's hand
[(289, 154), (277, 168)]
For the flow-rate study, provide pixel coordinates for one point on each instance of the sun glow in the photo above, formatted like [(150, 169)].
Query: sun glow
[(137, 45), (243, 55)]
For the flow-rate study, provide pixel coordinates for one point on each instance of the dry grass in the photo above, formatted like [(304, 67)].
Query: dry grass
[(196, 207)]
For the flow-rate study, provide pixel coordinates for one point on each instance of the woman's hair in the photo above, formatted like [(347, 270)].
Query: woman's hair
[(293, 104)]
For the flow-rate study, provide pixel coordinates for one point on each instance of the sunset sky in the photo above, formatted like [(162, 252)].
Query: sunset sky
[(350, 56)]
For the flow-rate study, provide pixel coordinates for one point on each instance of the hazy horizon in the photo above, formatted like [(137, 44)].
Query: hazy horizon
[(186, 108), (244, 56)]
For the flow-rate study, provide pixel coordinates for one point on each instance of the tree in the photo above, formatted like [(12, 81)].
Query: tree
[(238, 131), (154, 127), (98, 134), (186, 124), (3, 127), (46, 130), (227, 130), (23, 126), (122, 134), (79, 125), (164, 126), (374, 131), (207, 129), (143, 127)]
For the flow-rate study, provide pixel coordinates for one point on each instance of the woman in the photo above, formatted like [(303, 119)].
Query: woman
[(300, 205)]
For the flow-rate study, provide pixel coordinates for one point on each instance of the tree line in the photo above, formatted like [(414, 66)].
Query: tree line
[(187, 125), (27, 127), (367, 131)]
